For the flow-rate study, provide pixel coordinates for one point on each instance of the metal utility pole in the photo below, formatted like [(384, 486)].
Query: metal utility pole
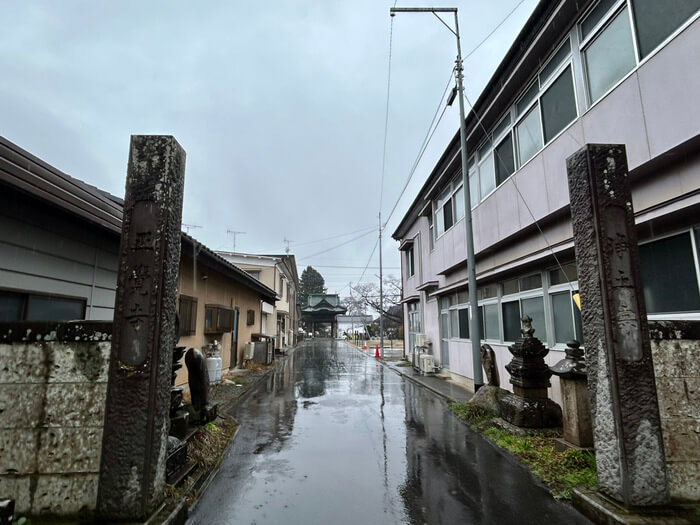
[(234, 233), (474, 327), (381, 291)]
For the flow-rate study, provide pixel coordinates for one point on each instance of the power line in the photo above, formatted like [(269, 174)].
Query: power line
[(369, 260), (492, 31), (337, 245), (358, 267), (295, 244), (426, 141)]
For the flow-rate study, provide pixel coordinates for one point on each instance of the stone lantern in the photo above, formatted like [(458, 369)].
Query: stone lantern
[(529, 406)]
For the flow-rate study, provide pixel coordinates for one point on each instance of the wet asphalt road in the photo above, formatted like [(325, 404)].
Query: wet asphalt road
[(334, 437)]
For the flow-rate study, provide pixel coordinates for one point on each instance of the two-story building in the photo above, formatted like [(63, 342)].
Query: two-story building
[(608, 71), (278, 272)]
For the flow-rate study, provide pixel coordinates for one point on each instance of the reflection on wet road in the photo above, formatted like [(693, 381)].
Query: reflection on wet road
[(335, 437)]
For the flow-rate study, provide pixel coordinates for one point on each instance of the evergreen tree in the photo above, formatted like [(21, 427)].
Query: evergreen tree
[(311, 282)]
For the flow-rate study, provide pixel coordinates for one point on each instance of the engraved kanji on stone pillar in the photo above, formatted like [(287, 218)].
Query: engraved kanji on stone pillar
[(624, 406), (134, 444)]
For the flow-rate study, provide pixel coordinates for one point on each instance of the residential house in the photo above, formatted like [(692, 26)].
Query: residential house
[(609, 71), (278, 272), (59, 244)]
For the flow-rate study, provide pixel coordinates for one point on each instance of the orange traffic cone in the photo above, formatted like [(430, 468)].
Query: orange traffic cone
[(376, 352), (365, 347)]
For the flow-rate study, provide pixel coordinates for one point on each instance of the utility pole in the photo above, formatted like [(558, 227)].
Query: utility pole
[(234, 233), (381, 291), (286, 241), (474, 328)]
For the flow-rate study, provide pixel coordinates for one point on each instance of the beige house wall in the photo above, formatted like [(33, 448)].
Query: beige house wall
[(217, 289)]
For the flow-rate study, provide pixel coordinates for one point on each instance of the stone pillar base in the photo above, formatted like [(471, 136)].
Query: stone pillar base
[(578, 427), (530, 412)]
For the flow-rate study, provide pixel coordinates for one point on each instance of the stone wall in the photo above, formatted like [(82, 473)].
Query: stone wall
[(675, 347), (53, 385)]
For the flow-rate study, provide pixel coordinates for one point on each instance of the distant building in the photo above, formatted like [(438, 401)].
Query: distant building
[(278, 272), (322, 310), (579, 72)]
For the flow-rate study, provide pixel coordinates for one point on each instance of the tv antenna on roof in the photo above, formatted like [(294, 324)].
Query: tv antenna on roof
[(188, 227), (287, 241), (234, 233)]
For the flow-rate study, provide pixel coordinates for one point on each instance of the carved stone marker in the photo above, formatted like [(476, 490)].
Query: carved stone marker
[(132, 472), (576, 404), (626, 424), (529, 406)]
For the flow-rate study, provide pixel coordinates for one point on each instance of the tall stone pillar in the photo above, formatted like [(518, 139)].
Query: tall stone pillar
[(624, 406), (132, 472)]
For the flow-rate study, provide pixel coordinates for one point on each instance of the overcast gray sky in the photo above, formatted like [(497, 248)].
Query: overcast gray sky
[(280, 106)]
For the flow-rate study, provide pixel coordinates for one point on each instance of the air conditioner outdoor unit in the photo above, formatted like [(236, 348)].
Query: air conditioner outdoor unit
[(427, 364), (248, 351), (422, 340)]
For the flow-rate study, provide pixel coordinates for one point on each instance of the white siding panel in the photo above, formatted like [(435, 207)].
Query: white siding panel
[(19, 233), (27, 261), (42, 284), (106, 279), (103, 298)]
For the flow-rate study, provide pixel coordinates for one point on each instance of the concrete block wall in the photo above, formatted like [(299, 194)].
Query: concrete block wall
[(675, 347), (53, 386)]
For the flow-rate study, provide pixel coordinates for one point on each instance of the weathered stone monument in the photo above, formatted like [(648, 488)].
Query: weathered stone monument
[(132, 471), (624, 405), (489, 396), (528, 406), (576, 404)]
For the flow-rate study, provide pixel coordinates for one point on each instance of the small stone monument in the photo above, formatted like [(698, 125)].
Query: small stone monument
[(489, 396), (573, 378), (529, 406), (624, 404), (201, 410)]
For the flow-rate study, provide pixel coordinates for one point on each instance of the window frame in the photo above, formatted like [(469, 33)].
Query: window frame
[(445, 197), (193, 305), (27, 295), (694, 232)]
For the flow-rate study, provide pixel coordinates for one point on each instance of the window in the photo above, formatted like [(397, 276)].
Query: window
[(487, 175), (410, 263), (655, 20), (254, 273), (281, 285), (217, 319), (566, 318), (188, 315), (23, 306), (558, 105), (473, 187), (565, 274), (449, 207), (511, 320), (505, 160), (489, 318), (250, 318), (531, 282), (670, 274), (529, 133), (610, 55)]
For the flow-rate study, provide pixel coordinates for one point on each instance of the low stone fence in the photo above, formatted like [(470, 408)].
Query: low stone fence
[(675, 347), (53, 386)]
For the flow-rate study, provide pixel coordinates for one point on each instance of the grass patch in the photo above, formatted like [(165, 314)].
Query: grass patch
[(560, 471), (404, 364)]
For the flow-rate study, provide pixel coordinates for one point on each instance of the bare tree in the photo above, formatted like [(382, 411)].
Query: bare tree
[(368, 294)]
